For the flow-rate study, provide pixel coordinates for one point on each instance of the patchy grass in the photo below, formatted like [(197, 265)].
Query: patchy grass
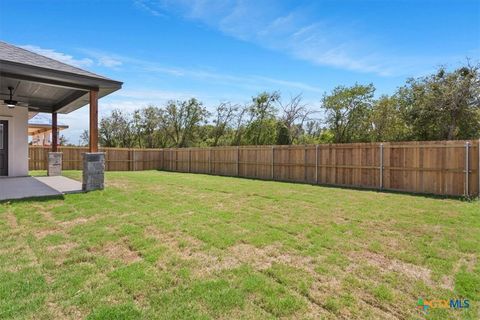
[(159, 245)]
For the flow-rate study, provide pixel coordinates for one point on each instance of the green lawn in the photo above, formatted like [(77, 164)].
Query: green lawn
[(186, 246)]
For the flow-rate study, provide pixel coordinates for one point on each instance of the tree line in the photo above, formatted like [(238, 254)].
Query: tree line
[(444, 105)]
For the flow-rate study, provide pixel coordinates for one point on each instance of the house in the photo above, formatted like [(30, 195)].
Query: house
[(30, 82), (41, 133)]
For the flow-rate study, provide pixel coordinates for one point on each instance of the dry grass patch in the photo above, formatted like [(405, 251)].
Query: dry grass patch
[(42, 233), (387, 264), (11, 220), (119, 251), (75, 222), (59, 313)]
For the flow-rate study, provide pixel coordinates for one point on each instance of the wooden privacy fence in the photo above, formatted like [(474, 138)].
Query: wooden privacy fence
[(116, 159), (435, 167)]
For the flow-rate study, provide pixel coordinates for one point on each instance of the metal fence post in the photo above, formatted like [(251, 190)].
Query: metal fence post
[(238, 161), (273, 163), (381, 165), (316, 164), (467, 169)]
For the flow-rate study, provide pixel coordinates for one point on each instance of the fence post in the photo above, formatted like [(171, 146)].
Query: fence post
[(107, 161), (316, 164), (189, 159), (163, 159), (467, 168), (478, 169), (133, 160), (381, 165), (210, 160), (238, 161), (333, 150), (130, 160), (256, 161), (273, 162), (305, 163), (176, 159)]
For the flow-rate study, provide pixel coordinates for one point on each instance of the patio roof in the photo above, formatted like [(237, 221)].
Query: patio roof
[(37, 128), (48, 85)]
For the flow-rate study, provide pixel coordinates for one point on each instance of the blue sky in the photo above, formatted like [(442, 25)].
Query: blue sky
[(234, 49)]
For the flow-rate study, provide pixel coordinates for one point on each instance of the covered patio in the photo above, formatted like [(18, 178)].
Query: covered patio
[(30, 82), (41, 133)]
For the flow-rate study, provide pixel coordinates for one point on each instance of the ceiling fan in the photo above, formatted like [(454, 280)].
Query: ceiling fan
[(10, 103)]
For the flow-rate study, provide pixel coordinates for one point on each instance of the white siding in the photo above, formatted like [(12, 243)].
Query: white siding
[(17, 139)]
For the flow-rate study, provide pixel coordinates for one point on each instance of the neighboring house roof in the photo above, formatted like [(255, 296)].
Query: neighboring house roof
[(36, 128), (46, 85)]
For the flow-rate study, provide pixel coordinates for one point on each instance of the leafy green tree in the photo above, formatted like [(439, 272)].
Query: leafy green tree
[(146, 125), (261, 128), (239, 129), (444, 105), (388, 123), (115, 130), (224, 115), (315, 134), (347, 112), (283, 134), (180, 121)]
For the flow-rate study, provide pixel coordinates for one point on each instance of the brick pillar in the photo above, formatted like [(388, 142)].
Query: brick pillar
[(93, 171), (54, 164)]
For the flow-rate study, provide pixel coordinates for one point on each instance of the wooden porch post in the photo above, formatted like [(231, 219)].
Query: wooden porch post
[(54, 132), (93, 136)]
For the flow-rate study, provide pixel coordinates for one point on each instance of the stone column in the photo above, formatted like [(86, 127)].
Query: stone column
[(93, 171), (54, 164)]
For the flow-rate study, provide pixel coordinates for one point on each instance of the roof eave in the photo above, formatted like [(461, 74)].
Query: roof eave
[(78, 83), (72, 79)]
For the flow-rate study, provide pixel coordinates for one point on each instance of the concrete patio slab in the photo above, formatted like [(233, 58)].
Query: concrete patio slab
[(61, 184), (31, 187)]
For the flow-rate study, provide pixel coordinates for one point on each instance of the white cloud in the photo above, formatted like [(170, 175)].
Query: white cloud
[(145, 5), (109, 62), (145, 97), (63, 57), (256, 82), (94, 57), (294, 32), (103, 59)]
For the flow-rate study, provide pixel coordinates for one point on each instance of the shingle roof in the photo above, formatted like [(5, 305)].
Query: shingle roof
[(16, 54)]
